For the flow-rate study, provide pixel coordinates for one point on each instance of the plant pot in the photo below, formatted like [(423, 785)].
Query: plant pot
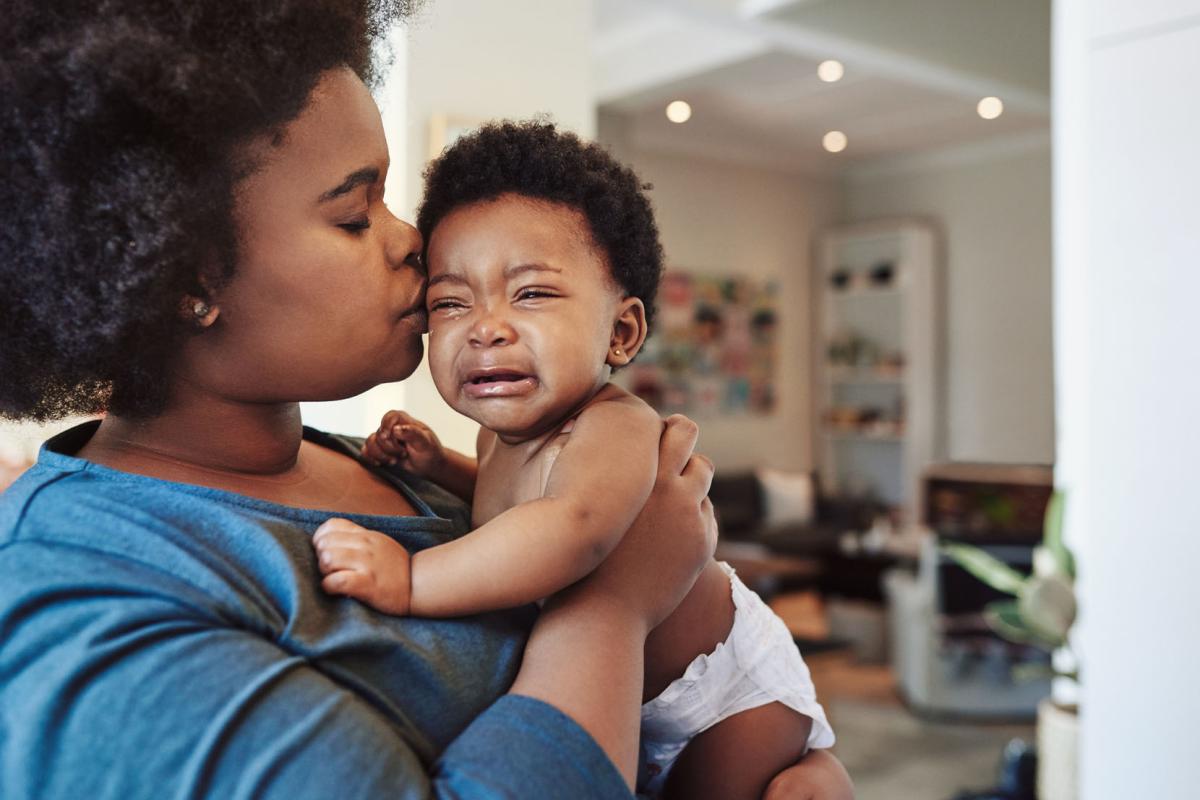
[(1058, 751)]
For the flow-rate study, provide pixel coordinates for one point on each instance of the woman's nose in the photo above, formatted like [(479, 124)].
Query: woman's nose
[(403, 244), (491, 329)]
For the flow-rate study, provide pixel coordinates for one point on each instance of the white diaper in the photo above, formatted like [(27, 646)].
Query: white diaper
[(757, 664)]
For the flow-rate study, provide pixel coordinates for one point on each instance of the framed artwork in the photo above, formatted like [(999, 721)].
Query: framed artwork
[(444, 129), (714, 347)]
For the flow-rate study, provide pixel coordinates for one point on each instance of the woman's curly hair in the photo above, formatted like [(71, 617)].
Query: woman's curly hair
[(534, 159), (121, 123)]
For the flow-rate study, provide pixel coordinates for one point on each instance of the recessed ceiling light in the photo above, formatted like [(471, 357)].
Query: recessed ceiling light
[(679, 111), (830, 71), (834, 141), (990, 107)]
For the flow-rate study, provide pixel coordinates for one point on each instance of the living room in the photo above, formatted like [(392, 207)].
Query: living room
[(897, 238)]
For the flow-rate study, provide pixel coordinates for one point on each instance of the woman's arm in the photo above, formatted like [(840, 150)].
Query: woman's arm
[(817, 776), (121, 682), (599, 626)]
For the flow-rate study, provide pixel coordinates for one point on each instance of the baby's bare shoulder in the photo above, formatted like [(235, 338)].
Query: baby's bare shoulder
[(614, 405)]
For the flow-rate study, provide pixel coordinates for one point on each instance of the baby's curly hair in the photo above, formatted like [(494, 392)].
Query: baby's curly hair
[(534, 159), (120, 131)]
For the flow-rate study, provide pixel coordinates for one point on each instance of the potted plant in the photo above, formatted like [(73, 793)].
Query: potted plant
[(1041, 612)]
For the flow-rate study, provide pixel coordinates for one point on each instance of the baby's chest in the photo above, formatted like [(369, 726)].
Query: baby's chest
[(509, 479)]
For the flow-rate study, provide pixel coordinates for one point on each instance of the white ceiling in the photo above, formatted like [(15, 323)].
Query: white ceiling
[(915, 70)]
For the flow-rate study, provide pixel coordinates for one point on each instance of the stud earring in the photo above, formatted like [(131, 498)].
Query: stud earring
[(201, 309), (618, 351)]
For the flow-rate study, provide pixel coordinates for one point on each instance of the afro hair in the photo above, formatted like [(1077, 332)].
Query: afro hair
[(534, 159), (121, 125)]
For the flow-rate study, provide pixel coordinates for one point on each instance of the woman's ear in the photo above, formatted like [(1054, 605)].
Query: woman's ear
[(200, 307), (629, 332), (198, 311)]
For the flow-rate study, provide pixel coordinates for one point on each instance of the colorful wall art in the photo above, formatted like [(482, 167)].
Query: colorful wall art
[(713, 350)]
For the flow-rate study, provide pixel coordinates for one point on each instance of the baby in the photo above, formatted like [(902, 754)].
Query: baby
[(543, 261)]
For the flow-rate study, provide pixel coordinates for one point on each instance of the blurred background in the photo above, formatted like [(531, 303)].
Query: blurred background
[(911, 293)]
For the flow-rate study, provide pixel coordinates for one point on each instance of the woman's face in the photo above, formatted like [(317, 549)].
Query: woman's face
[(327, 299)]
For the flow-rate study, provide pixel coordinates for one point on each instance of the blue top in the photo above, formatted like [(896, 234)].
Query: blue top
[(160, 639)]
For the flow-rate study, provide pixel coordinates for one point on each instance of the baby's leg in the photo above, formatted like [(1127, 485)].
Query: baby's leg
[(737, 758)]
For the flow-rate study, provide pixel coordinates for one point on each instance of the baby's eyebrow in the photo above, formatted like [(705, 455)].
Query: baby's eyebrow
[(520, 269), (445, 277)]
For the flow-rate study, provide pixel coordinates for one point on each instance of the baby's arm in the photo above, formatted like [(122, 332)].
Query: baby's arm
[(412, 445), (597, 486)]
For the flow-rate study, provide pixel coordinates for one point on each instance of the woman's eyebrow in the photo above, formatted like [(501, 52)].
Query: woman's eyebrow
[(364, 176)]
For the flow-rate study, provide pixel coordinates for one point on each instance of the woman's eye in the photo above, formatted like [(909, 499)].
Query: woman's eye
[(356, 226)]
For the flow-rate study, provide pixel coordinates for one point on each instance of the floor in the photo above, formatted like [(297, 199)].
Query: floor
[(891, 753)]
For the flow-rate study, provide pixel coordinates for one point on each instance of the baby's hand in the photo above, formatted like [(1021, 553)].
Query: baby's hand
[(407, 443), (363, 564)]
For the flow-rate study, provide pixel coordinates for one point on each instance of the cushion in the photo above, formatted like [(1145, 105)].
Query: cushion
[(789, 498)]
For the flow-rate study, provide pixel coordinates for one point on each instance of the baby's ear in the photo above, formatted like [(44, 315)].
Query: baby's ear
[(628, 333)]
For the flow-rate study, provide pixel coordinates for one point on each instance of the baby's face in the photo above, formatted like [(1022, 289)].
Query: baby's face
[(521, 314)]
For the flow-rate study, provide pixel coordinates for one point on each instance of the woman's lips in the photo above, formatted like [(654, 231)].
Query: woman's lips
[(417, 319), (498, 383)]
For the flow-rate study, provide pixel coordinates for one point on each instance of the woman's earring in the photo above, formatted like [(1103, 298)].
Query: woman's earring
[(203, 314)]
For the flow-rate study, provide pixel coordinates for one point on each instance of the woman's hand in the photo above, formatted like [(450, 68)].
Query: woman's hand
[(657, 561), (817, 776)]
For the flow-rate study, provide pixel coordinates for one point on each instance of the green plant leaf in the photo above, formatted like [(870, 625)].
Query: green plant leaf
[(1053, 535), (986, 567), (1047, 606), (1004, 617), (1028, 672)]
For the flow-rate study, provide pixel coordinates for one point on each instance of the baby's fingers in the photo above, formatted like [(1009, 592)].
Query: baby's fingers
[(334, 558), (346, 582), (378, 450), (417, 438)]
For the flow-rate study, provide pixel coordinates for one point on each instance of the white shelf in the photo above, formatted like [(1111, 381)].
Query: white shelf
[(863, 436), (854, 377), (858, 292), (898, 320)]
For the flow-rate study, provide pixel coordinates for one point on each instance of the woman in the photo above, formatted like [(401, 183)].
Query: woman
[(196, 241)]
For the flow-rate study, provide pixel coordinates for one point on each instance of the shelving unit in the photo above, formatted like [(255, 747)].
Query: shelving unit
[(877, 357)]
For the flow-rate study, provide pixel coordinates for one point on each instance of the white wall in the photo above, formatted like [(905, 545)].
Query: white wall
[(477, 60), (1126, 296), (992, 205), (719, 218), (360, 415)]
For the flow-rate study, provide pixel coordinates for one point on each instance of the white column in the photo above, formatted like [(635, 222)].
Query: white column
[(1127, 285)]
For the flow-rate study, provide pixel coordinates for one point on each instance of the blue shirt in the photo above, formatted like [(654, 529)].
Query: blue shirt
[(160, 639)]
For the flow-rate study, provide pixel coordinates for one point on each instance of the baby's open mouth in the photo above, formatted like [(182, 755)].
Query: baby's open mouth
[(498, 383), (497, 377)]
